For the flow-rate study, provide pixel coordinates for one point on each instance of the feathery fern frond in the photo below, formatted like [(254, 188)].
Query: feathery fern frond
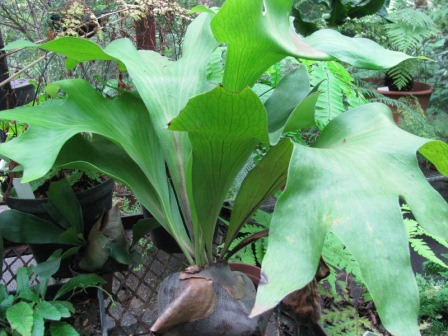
[(338, 90), (253, 253), (410, 28), (248, 166), (415, 232), (338, 257), (215, 67), (345, 321), (402, 74)]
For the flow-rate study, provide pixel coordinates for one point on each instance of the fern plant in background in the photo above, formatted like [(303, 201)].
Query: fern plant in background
[(407, 32), (434, 304), (415, 233), (338, 90)]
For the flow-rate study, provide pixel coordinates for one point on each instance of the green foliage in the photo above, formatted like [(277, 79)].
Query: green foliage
[(413, 119), (410, 27), (339, 258), (212, 132), (253, 253), (402, 75), (29, 312), (415, 232), (339, 315), (434, 304), (407, 33), (215, 68), (338, 91), (310, 15), (106, 238)]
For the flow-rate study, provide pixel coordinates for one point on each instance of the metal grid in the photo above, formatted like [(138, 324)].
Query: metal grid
[(135, 293), (131, 308), (15, 256)]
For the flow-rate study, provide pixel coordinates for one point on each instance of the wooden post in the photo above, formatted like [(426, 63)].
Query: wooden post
[(145, 30), (8, 98)]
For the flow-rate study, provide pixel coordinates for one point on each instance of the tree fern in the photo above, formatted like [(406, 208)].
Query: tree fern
[(409, 29), (413, 118), (402, 75)]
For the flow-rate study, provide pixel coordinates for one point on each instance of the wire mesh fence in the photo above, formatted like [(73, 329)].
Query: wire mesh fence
[(131, 306)]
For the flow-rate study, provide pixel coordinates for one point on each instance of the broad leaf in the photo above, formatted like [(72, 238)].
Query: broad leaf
[(46, 269), (165, 88), (24, 290), (20, 316), (38, 325), (224, 128), (292, 89), (66, 308), (85, 110), (302, 26), (349, 183), (303, 115), (356, 51), (76, 49), (1, 255), (64, 199), (362, 8), (20, 227), (48, 311), (81, 281), (62, 329), (256, 188), (258, 34)]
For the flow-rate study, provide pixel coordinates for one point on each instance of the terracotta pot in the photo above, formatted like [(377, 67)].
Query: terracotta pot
[(421, 91), (253, 272)]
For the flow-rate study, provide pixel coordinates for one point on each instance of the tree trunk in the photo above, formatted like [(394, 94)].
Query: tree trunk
[(145, 30), (7, 96)]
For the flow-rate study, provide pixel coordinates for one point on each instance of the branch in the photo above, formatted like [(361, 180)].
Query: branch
[(7, 80)]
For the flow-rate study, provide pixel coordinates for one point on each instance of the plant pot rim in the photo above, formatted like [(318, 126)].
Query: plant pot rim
[(84, 196), (419, 88)]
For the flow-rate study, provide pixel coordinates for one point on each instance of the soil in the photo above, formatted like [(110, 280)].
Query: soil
[(86, 319), (84, 182)]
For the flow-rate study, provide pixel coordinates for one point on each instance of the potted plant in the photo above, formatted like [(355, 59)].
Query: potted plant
[(347, 182), (33, 310), (86, 246), (406, 31)]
